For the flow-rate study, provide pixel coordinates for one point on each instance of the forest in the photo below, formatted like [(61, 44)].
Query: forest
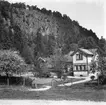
[(38, 32)]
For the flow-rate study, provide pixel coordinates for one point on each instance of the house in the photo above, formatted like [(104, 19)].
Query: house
[(81, 60)]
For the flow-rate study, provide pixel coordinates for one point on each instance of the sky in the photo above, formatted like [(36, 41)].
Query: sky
[(89, 13)]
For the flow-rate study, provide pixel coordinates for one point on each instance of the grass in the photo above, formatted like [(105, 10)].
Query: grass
[(70, 80), (86, 92)]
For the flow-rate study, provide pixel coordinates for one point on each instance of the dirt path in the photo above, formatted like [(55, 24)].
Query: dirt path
[(66, 84), (77, 82)]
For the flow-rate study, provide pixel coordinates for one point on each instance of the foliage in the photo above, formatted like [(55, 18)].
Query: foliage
[(102, 65), (19, 5), (11, 63), (58, 61), (93, 66), (87, 43), (102, 43), (32, 31)]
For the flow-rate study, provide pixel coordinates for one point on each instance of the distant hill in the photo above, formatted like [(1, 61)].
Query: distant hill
[(31, 30)]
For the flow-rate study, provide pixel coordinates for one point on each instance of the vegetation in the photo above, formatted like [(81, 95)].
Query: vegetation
[(11, 63), (58, 62), (79, 92), (35, 32), (102, 69)]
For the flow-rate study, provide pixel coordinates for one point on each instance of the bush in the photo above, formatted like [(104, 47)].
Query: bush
[(28, 82), (102, 79), (71, 73)]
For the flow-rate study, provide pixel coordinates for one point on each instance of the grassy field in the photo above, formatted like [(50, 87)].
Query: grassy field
[(76, 92), (70, 80)]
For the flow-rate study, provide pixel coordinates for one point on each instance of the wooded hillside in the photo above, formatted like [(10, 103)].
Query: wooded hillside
[(35, 31)]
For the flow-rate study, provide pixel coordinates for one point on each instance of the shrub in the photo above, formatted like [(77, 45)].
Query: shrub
[(102, 79), (28, 82)]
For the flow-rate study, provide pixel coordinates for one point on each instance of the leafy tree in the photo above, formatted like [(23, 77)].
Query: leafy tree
[(102, 44), (102, 65), (58, 61), (11, 63), (19, 5), (38, 50), (87, 43), (57, 14), (75, 22), (102, 69), (67, 18), (73, 47), (93, 66)]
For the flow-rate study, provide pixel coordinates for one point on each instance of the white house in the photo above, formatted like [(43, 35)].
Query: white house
[(81, 60)]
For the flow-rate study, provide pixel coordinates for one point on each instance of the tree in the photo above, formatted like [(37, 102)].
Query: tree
[(58, 61), (57, 14), (73, 47), (11, 63), (102, 65), (102, 43), (87, 43), (102, 69), (93, 66), (38, 51)]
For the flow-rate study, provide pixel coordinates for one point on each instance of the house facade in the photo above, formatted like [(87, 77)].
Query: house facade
[(81, 60)]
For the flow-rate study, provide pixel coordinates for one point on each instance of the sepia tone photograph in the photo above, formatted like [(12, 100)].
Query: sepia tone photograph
[(52, 52)]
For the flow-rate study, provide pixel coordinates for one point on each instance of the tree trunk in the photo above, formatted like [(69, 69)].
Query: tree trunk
[(8, 79), (98, 81), (23, 81)]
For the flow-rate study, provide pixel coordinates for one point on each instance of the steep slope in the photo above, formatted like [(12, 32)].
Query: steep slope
[(31, 30)]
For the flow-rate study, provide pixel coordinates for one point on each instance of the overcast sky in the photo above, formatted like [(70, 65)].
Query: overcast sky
[(89, 13)]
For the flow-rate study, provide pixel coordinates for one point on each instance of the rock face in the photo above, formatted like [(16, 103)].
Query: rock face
[(31, 30)]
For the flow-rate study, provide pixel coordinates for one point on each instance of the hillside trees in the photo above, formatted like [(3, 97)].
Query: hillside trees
[(102, 44), (87, 43), (19, 29), (39, 49)]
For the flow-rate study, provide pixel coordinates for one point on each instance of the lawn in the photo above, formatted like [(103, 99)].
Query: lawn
[(86, 92), (69, 80)]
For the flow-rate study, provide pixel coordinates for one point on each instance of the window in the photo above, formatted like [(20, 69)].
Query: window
[(80, 67), (84, 67), (77, 67), (79, 57)]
